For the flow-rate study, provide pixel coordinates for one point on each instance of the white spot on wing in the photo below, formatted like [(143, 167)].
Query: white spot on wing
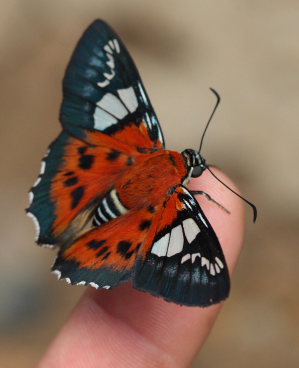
[(42, 168), (31, 196), (160, 247), (185, 258), (108, 49), (37, 181), (93, 284), (110, 61), (102, 119), (205, 262), (111, 44), (104, 83), (129, 98), (68, 280), (51, 246), (217, 268), (36, 224), (57, 273), (116, 44), (176, 242), (112, 104), (212, 270), (109, 76), (220, 264), (81, 283), (191, 229), (194, 256), (106, 287)]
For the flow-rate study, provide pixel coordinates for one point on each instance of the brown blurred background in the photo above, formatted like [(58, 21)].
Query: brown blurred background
[(248, 51)]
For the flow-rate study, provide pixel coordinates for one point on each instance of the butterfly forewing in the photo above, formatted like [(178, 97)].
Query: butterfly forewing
[(107, 120), (103, 90)]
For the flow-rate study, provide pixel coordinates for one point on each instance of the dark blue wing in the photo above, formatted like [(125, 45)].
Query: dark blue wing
[(41, 204), (185, 264), (102, 89)]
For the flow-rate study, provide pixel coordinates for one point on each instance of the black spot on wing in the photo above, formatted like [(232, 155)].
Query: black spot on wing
[(69, 173), (71, 181), (76, 196), (113, 155), (123, 247), (146, 150), (82, 150), (107, 255), (145, 224), (86, 162), (151, 209), (172, 160), (129, 254), (102, 251), (130, 161), (95, 244)]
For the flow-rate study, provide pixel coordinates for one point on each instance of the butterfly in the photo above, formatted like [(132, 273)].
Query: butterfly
[(109, 195)]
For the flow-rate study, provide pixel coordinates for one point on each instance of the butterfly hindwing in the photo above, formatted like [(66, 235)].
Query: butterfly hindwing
[(103, 91), (184, 262), (41, 206), (106, 255), (74, 177)]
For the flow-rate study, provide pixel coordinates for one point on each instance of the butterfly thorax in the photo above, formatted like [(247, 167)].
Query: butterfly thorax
[(194, 162), (151, 178)]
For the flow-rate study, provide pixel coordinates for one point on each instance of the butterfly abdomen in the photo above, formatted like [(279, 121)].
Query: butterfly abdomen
[(149, 180)]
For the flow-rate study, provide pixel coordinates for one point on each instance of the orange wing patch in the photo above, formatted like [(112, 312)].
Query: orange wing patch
[(107, 255), (137, 136), (114, 244), (163, 219), (88, 172)]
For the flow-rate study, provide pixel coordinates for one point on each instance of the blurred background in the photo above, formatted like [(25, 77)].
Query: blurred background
[(248, 51)]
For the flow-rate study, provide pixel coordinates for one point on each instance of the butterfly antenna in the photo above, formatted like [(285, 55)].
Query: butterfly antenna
[(210, 118), (245, 200)]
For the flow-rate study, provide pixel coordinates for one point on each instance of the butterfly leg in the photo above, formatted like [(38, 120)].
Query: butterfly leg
[(207, 196)]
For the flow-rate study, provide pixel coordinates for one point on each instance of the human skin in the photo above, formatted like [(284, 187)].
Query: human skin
[(124, 327)]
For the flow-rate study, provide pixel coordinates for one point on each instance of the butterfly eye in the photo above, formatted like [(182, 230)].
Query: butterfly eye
[(197, 171)]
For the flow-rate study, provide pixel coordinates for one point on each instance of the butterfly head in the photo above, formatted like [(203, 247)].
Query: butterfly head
[(194, 162)]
